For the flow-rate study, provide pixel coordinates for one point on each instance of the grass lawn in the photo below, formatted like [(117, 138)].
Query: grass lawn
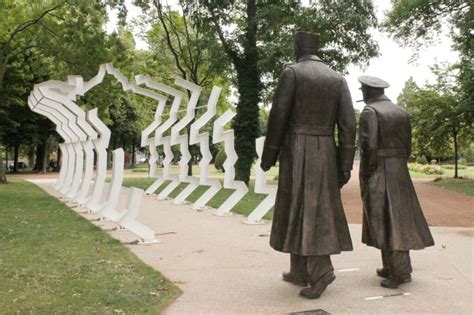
[(468, 172), (465, 186), (244, 206), (54, 261)]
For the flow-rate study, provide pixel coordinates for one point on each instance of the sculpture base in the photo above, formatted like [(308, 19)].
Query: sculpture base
[(249, 222)]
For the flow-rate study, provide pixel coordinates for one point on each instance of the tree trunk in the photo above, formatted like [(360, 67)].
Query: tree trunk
[(6, 159), (45, 156), (3, 178), (133, 153), (190, 163), (31, 156), (455, 136), (58, 160), (16, 153), (246, 122)]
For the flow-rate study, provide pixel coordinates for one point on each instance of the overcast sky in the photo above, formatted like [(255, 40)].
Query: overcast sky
[(393, 65)]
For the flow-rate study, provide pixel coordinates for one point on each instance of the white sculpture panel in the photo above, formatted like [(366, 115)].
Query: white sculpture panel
[(227, 137)]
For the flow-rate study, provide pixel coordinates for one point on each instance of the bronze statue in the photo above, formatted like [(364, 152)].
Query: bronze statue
[(309, 220), (393, 221)]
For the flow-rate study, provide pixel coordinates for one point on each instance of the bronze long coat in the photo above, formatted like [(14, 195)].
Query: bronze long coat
[(393, 219), (310, 100)]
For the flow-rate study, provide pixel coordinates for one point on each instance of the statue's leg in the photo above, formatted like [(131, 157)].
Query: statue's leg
[(321, 274), (399, 266), (384, 271), (298, 270)]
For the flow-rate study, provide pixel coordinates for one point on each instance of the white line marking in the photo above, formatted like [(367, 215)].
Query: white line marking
[(385, 296)]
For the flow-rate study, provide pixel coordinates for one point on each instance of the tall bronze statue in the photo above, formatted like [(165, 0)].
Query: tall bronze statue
[(393, 221), (309, 220)]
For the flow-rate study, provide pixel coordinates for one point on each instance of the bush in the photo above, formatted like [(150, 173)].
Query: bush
[(433, 162), (462, 161), (451, 167), (421, 159), (220, 159), (425, 169)]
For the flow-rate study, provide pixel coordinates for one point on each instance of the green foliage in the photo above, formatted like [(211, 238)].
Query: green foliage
[(425, 169), (257, 38), (462, 161), (70, 266), (440, 119), (421, 159), (419, 22), (220, 159), (451, 166)]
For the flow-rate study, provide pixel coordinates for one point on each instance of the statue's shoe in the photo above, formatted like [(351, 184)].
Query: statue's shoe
[(297, 279), (315, 291), (393, 283), (404, 278)]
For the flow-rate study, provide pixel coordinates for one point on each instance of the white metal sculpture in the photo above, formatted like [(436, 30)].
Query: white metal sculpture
[(261, 187), (100, 147), (203, 140), (219, 135), (107, 210), (44, 96), (145, 139), (129, 218), (182, 140), (159, 139)]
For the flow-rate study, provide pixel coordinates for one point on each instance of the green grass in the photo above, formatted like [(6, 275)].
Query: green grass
[(54, 261), (244, 206), (465, 186)]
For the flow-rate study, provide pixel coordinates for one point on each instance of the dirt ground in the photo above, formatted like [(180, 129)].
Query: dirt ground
[(441, 207)]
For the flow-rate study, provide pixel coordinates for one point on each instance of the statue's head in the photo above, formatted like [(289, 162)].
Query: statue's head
[(372, 87), (306, 44)]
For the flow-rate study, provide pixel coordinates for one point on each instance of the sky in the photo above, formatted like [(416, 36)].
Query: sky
[(393, 65)]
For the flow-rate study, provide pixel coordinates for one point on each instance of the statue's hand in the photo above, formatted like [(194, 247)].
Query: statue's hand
[(265, 167), (344, 178)]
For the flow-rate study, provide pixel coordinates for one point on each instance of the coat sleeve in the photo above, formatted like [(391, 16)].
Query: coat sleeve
[(278, 119), (346, 127), (368, 141)]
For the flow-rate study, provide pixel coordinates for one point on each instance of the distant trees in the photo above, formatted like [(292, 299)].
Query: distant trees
[(439, 119), (47, 40), (442, 112)]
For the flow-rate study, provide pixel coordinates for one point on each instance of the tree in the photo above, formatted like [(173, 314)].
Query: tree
[(438, 116), (418, 23), (256, 37), (177, 40), (66, 35)]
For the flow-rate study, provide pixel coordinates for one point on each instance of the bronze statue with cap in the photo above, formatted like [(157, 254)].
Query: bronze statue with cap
[(310, 101), (392, 217)]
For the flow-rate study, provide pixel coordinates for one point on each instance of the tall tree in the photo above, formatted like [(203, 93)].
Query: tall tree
[(256, 37), (68, 35), (438, 117), (419, 23)]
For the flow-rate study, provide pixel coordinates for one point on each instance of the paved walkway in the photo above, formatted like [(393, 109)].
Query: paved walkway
[(226, 267)]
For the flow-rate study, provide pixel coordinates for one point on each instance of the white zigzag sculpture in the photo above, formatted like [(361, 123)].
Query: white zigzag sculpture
[(227, 137), (261, 187), (150, 142), (159, 139), (55, 100), (203, 140), (183, 142), (51, 94), (100, 147)]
